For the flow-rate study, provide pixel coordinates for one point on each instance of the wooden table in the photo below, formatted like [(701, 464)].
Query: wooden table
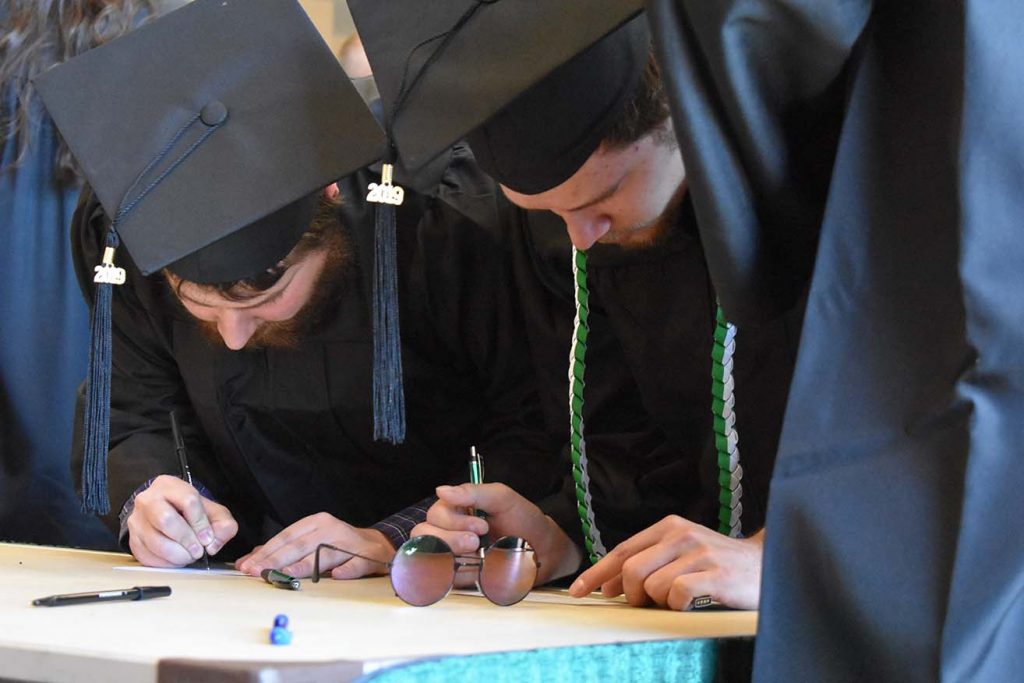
[(215, 627)]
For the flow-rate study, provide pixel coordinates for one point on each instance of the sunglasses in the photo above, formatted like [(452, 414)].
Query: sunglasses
[(425, 567)]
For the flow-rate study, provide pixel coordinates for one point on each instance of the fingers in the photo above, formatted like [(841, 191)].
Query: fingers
[(461, 542), (604, 570), (222, 524), (681, 561), (686, 587), (293, 550), (493, 498), (162, 522), (654, 574), (612, 587), (288, 546), (356, 568), (442, 515), (143, 554), (647, 575), (671, 531)]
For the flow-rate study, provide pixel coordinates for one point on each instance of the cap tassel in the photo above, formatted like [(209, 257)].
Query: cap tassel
[(388, 393), (97, 399), (95, 498)]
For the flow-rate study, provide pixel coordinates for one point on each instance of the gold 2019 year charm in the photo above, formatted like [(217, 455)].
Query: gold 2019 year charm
[(385, 192), (107, 273)]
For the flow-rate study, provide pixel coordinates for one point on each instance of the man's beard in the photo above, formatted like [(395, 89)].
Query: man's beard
[(287, 334), (655, 232)]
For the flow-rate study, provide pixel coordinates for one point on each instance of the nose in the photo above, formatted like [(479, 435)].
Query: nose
[(236, 328), (585, 230)]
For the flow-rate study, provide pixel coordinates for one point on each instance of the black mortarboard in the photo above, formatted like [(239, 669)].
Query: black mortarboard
[(207, 136), (258, 80), (537, 73)]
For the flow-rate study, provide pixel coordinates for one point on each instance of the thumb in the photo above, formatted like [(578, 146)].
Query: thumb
[(222, 523)]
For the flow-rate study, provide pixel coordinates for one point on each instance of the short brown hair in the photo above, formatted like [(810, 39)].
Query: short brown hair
[(644, 113)]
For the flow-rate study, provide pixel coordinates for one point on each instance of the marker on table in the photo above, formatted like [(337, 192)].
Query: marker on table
[(186, 473), (136, 593), (279, 579)]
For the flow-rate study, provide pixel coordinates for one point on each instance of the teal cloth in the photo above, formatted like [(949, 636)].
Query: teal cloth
[(681, 661)]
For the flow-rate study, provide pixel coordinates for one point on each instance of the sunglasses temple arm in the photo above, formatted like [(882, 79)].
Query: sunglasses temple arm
[(316, 559)]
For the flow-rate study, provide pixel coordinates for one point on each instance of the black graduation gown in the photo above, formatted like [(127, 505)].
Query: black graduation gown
[(889, 131), (277, 435), (647, 395)]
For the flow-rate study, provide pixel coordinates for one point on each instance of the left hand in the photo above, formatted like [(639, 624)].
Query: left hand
[(676, 560), (292, 550)]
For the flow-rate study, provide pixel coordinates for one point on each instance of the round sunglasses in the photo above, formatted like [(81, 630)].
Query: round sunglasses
[(425, 568)]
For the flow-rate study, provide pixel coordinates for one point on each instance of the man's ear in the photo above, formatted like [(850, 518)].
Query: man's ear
[(331, 192)]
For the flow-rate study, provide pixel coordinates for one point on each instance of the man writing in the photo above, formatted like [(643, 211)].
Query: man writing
[(250, 315), (590, 141)]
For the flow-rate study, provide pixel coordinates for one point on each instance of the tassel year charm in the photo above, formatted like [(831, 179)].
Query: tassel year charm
[(107, 273), (385, 192)]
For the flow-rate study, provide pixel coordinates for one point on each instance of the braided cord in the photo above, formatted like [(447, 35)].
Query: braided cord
[(730, 473), (577, 366), (723, 403)]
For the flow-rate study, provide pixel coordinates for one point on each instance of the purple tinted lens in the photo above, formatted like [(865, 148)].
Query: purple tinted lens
[(423, 571), (509, 570)]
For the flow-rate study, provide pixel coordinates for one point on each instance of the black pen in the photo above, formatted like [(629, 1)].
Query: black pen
[(186, 473), (136, 593)]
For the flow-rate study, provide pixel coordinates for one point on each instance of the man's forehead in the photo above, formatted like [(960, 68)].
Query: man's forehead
[(597, 181)]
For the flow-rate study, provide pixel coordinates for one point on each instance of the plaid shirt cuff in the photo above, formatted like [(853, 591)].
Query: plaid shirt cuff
[(398, 527)]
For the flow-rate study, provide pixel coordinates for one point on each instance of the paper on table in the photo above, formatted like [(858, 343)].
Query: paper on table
[(223, 570), (557, 596)]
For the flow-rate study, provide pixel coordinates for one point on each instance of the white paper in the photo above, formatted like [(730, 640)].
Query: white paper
[(557, 596)]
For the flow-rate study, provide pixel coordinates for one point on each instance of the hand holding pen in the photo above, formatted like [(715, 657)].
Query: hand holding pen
[(171, 525), (205, 535)]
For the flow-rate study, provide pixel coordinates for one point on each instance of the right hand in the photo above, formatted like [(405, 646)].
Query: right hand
[(172, 523), (508, 514)]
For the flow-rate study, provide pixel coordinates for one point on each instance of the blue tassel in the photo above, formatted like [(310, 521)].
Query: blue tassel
[(388, 393), (95, 498)]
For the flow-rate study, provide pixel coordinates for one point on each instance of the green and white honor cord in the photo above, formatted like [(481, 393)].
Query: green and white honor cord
[(578, 444), (723, 402)]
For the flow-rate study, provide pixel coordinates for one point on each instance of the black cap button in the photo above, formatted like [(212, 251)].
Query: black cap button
[(214, 113)]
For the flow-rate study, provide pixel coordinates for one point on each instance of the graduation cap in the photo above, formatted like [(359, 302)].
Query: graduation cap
[(207, 136), (535, 85)]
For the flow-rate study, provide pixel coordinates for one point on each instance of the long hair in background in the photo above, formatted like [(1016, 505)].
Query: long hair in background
[(38, 34)]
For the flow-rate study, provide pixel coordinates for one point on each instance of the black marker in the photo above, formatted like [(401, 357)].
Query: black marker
[(137, 593), (186, 473), (279, 579)]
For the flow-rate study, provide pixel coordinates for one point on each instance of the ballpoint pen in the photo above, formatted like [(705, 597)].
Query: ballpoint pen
[(186, 473), (476, 474)]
